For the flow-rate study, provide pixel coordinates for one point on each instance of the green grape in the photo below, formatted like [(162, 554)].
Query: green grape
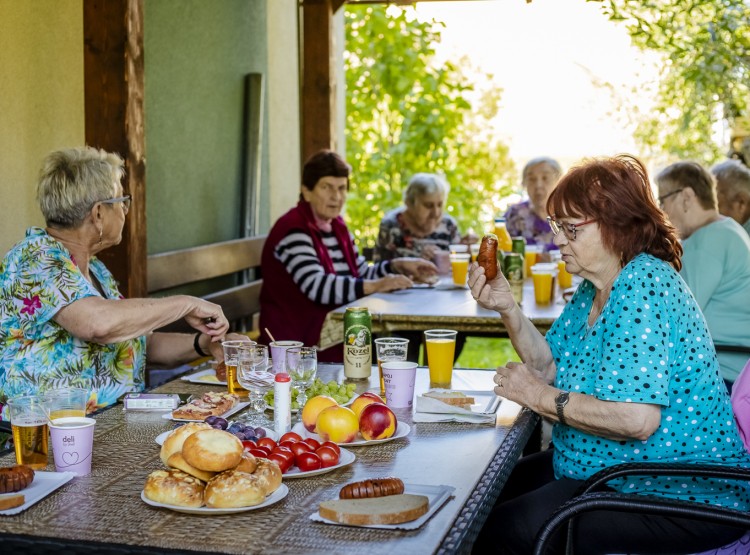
[(295, 405), (332, 385), (351, 387)]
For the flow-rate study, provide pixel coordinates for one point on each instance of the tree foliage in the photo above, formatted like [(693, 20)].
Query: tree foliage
[(705, 79), (406, 113)]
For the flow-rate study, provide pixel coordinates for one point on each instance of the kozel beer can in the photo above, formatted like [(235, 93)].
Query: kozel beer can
[(513, 270), (357, 343)]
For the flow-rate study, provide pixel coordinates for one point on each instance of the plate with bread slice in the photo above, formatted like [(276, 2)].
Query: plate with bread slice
[(22, 487), (480, 402), (385, 503), (205, 377), (275, 497), (402, 430)]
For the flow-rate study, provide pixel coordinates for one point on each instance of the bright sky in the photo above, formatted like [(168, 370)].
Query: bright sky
[(547, 55)]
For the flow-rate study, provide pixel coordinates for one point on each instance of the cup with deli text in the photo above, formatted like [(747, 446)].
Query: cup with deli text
[(387, 349), (278, 354), (73, 444), (441, 348), (69, 401), (543, 276), (460, 267), (399, 379), (231, 355), (28, 419)]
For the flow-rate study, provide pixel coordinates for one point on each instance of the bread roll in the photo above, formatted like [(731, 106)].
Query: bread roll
[(15, 478), (174, 487), (392, 509), (176, 460), (173, 442), (212, 450), (234, 489), (248, 463), (269, 473)]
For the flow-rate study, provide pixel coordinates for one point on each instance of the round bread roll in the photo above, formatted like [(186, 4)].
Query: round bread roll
[(234, 489), (212, 450), (174, 487), (173, 442), (176, 460), (248, 463), (269, 473)]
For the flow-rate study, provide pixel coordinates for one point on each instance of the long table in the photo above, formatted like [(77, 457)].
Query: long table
[(103, 512), (423, 308)]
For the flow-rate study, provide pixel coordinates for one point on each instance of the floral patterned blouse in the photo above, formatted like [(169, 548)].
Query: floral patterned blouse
[(38, 277), (395, 239), (521, 221)]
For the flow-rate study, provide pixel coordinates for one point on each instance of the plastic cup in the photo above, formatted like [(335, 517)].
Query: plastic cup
[(231, 354), (70, 401), (543, 276), (399, 377), (460, 267), (564, 277), (442, 259), (474, 248), (441, 348), (28, 419), (278, 354), (389, 349), (456, 248), (73, 444), (530, 256)]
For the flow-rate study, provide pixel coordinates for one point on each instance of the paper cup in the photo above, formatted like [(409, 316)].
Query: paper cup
[(278, 354), (399, 377), (73, 444)]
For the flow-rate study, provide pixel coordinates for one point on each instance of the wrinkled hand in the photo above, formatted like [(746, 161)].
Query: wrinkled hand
[(428, 252), (519, 383), (417, 269), (470, 238), (494, 295), (392, 282), (208, 318), (217, 351)]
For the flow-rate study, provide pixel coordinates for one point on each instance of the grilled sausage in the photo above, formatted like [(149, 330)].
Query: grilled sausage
[(487, 257), (375, 487)]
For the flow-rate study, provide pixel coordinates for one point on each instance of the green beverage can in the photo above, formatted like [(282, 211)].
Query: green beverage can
[(519, 245), (513, 271), (357, 343)]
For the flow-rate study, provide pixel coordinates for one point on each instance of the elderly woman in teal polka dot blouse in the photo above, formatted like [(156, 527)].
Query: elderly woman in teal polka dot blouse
[(628, 373)]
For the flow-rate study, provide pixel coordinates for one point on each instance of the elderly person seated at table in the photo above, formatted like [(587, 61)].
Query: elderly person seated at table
[(63, 321), (627, 373), (733, 191), (528, 219), (312, 266), (716, 258)]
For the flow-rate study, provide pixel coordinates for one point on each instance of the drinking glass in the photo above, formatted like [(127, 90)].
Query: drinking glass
[(302, 365), (231, 354), (387, 349), (253, 374), (28, 420), (441, 347)]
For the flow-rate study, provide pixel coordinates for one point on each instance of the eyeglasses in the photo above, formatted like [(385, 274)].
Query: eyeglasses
[(665, 197), (125, 200), (569, 230)]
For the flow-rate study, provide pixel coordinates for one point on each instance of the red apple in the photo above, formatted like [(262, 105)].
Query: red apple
[(363, 400), (376, 421)]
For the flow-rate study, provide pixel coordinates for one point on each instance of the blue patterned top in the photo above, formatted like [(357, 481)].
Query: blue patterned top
[(649, 345)]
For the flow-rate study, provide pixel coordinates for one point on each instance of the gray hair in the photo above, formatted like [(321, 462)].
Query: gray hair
[(733, 177), (73, 180), (551, 162), (425, 184)]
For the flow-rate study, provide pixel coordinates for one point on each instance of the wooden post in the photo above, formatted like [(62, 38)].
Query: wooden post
[(113, 93)]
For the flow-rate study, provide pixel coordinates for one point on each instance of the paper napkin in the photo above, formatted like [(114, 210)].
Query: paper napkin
[(432, 410)]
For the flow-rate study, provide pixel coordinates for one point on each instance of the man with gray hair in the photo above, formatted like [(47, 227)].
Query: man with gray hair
[(733, 191)]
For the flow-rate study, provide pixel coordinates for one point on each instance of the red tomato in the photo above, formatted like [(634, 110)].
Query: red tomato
[(293, 436), (284, 463), (257, 452), (288, 443), (300, 447), (249, 444), (308, 461), (328, 456), (313, 443), (267, 442), (284, 452), (333, 446)]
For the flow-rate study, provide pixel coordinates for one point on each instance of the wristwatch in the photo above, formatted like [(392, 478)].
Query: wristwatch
[(560, 401)]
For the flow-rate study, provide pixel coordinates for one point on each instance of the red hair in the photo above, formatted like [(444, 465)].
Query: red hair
[(616, 193)]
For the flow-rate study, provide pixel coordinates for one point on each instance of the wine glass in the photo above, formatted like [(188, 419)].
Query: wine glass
[(253, 374), (302, 365)]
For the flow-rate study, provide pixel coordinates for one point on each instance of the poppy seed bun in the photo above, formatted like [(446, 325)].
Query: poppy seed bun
[(173, 442), (248, 463), (269, 473), (174, 487), (212, 450), (234, 489), (176, 460)]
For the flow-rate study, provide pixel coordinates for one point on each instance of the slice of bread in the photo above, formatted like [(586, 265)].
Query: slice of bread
[(11, 500), (450, 397), (391, 509)]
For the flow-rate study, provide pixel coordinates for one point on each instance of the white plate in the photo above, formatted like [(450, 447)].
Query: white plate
[(402, 430), (235, 409), (485, 402), (346, 458), (204, 377), (437, 496), (162, 436), (275, 497), (44, 483)]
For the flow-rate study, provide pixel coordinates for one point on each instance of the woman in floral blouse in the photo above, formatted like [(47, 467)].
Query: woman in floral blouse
[(62, 320)]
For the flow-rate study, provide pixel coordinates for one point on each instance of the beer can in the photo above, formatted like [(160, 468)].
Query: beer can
[(519, 245), (513, 270), (357, 343)]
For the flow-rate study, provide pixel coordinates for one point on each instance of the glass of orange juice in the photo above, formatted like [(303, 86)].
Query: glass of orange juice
[(531, 257), (66, 402), (460, 267), (564, 277), (441, 348), (543, 276)]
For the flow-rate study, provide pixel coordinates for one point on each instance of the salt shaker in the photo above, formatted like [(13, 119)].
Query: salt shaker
[(282, 400)]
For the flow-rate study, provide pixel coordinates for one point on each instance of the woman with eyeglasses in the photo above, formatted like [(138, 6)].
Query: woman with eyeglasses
[(63, 321), (627, 373)]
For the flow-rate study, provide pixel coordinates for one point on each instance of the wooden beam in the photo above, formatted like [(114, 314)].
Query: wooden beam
[(113, 96), (337, 4), (317, 76)]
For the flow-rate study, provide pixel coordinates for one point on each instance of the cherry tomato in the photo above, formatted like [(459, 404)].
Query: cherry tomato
[(288, 443), (284, 463), (284, 452), (294, 436), (300, 447), (333, 446), (328, 456), (313, 443), (258, 452), (308, 461), (267, 442), (248, 444)]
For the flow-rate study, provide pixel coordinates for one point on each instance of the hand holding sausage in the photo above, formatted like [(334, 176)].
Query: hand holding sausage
[(487, 257)]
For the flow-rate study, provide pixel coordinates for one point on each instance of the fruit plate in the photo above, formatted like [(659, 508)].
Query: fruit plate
[(43, 484), (275, 497), (162, 436), (346, 458), (295, 411), (205, 377), (402, 430), (235, 409), (437, 496)]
